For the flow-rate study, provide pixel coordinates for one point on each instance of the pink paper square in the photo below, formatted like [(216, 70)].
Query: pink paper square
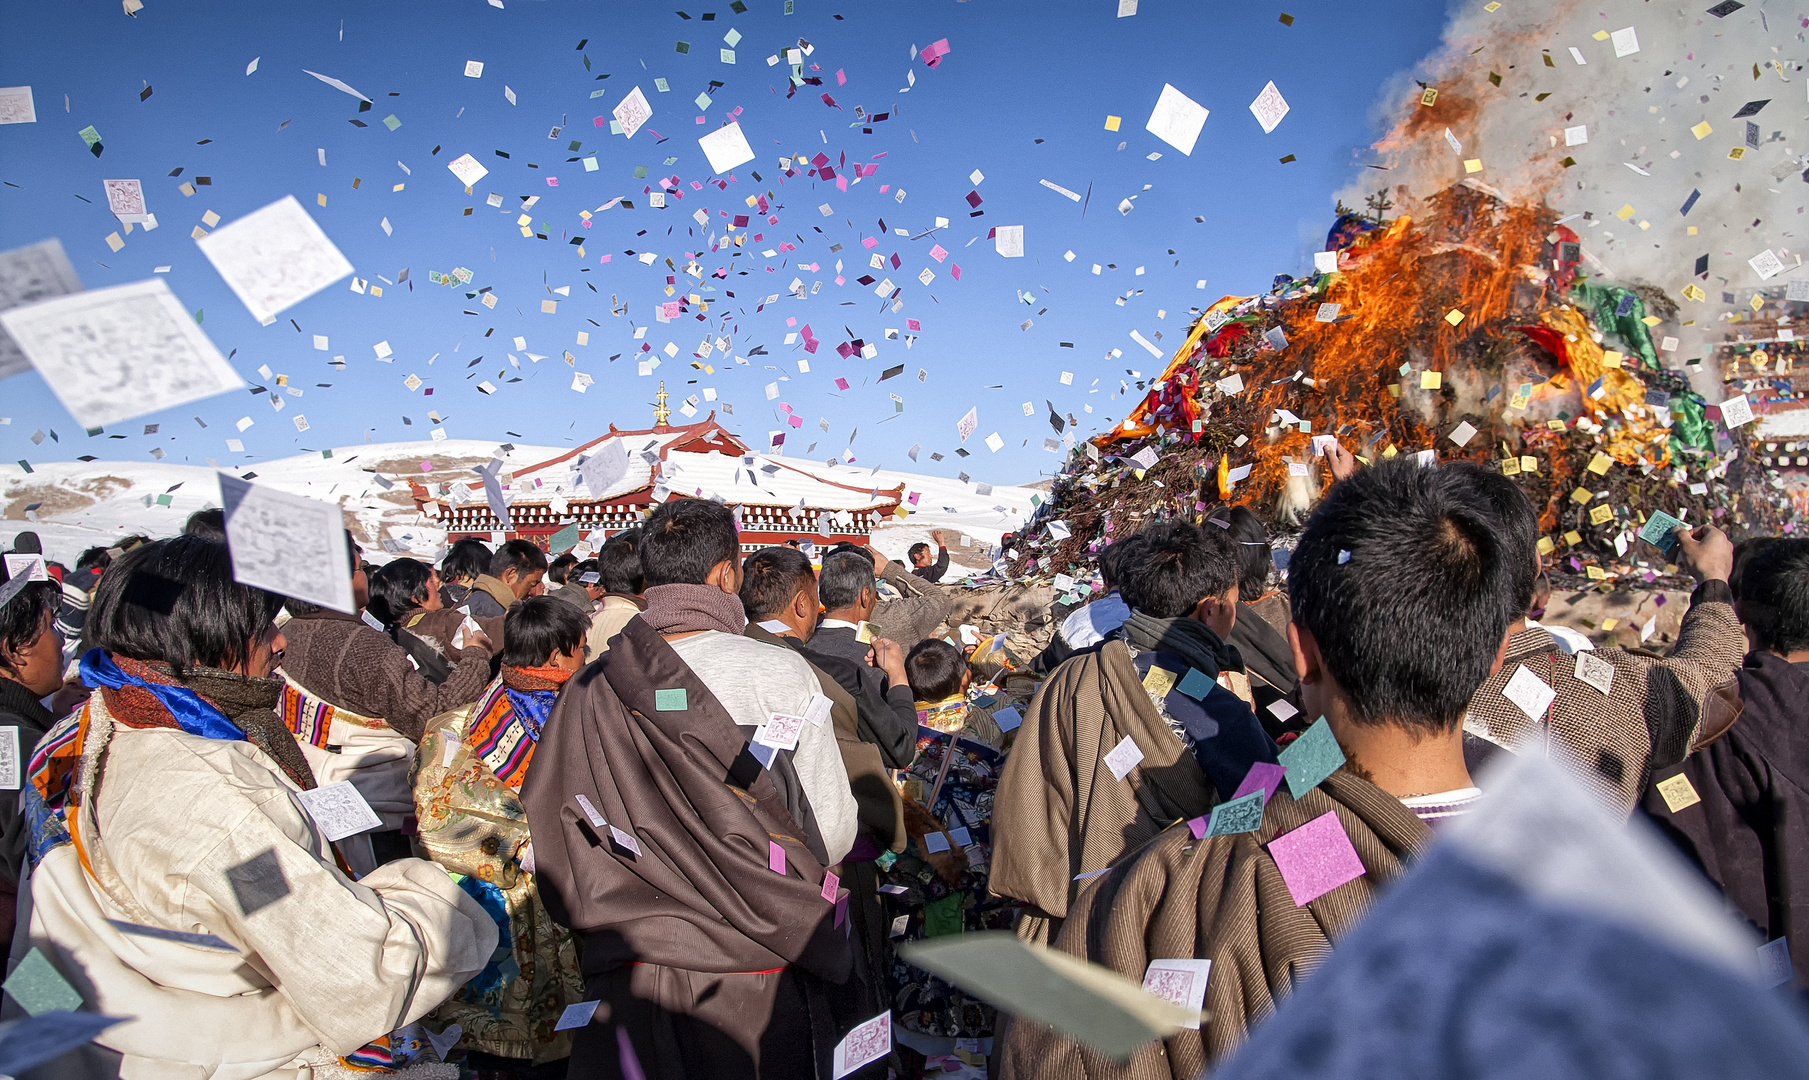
[(1315, 858), (1261, 775), (913, 324), (955, 271), (831, 885), (775, 856)]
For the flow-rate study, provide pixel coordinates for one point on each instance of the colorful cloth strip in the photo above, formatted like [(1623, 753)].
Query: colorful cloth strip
[(503, 736), (307, 717)]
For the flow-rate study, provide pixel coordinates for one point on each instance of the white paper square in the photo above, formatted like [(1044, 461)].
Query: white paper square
[(1177, 119), (632, 111), (339, 810), (1797, 289), (1736, 412), (474, 69), (274, 258), (1269, 108), (1529, 692), (1182, 981), (468, 169), (867, 1042), (288, 544), (994, 442), (1595, 671), (1325, 262), (9, 759), (115, 353), (1008, 240), (16, 106), (1463, 433), (1766, 265), (126, 199), (1123, 757), (726, 147), (1127, 8), (1774, 963), (817, 712), (1626, 42), (1231, 384), (781, 732), (1576, 136)]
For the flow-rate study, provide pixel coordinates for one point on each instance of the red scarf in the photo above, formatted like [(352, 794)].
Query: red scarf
[(526, 679)]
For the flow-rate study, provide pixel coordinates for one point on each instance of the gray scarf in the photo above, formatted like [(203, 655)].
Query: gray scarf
[(1187, 638)]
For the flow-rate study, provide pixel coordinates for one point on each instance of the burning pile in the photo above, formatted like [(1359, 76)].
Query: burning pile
[(1467, 332)]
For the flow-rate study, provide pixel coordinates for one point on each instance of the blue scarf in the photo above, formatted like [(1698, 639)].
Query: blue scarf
[(191, 711), (532, 707)]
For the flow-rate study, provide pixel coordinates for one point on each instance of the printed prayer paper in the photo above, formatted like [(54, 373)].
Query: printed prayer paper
[(604, 468), (966, 425), (29, 274), (1008, 240), (126, 199), (1594, 671), (288, 544), (1240, 815), (1774, 963), (26, 567), (1269, 108), (1123, 758), (339, 810), (1626, 42), (1529, 692), (274, 258), (112, 354), (467, 169), (1176, 119), (1766, 264), (869, 1041), (1735, 411), (780, 732), (1181, 981), (16, 105), (1315, 858), (9, 759), (1678, 793), (632, 111), (1658, 529), (726, 147)]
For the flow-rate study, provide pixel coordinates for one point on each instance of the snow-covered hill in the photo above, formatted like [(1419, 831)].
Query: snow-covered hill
[(79, 504)]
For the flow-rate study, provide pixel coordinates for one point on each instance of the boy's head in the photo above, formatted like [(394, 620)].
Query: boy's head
[(691, 542), (519, 564), (777, 583), (619, 563), (1112, 560), (1402, 588), (920, 555), (936, 670), (846, 586), (1255, 558), (1774, 597), (544, 631), (1178, 571), (559, 570), (465, 561)]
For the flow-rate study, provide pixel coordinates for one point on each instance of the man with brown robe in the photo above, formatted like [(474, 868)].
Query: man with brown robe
[(1401, 602), (694, 873), (1102, 761)]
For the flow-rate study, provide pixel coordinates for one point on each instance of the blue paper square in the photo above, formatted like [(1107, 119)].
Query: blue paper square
[(1311, 758), (1195, 684)]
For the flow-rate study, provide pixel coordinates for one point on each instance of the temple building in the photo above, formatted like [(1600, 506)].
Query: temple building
[(775, 500)]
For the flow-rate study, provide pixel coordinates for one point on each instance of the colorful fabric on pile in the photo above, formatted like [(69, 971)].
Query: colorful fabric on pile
[(945, 716)]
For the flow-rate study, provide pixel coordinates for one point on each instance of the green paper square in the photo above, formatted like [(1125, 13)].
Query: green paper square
[(391, 122), (944, 917), (40, 987), (640, 172), (1657, 531), (672, 700), (684, 46), (661, 85), (702, 101), (1240, 815), (1311, 758), (89, 136), (1195, 684), (563, 541)]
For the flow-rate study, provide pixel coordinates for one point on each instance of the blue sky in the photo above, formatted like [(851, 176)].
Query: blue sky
[(1022, 96)]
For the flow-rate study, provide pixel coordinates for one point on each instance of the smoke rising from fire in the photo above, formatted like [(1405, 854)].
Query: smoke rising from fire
[(1637, 111)]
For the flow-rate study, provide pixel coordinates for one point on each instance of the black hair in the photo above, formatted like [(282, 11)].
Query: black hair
[(1175, 566), (465, 560), (917, 549), (398, 589), (303, 607), (209, 524), (934, 668), (522, 556), (558, 571), (619, 563), (1403, 578), (575, 576), (175, 601), (842, 547), (685, 539), (27, 543), (843, 578), (770, 578), (95, 558), (1112, 559), (1517, 523), (1743, 554), (1774, 595), (537, 627), (1255, 559), (22, 617)]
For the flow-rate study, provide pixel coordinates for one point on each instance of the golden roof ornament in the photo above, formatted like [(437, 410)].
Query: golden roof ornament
[(660, 412)]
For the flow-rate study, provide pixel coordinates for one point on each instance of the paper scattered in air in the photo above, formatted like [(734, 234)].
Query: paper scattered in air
[(274, 258)]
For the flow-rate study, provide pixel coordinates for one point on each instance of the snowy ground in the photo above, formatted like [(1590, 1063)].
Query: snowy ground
[(78, 504)]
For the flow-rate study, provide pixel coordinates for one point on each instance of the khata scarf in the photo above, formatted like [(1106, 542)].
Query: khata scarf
[(1187, 638), (531, 692), (684, 609), (949, 714)]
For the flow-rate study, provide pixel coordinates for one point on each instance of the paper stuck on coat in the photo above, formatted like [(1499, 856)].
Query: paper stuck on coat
[(726, 147), (112, 354), (289, 544), (468, 169), (1181, 981), (1177, 119), (1123, 757), (1529, 692), (29, 274), (33, 1041), (632, 111), (274, 258), (1090, 1003), (1315, 858), (1269, 108), (339, 810)]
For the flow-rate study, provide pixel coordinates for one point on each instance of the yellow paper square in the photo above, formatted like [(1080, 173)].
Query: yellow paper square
[(1596, 573), (1554, 425), (1510, 467), (1610, 358), (197, 232), (321, 198), (1454, 316), (186, 189), (1428, 96), (1581, 496), (1692, 230), (114, 241), (1736, 153), (1389, 453), (1573, 538), (1694, 292), (1492, 6), (376, 290), (1529, 464), (1601, 35), (1601, 515), (1159, 681), (1757, 301), (1625, 213), (1702, 130), (1651, 320), (1609, 624), (1599, 463), (1472, 165), (1112, 122), (866, 633), (1678, 792), (1431, 380), (1546, 547), (549, 307)]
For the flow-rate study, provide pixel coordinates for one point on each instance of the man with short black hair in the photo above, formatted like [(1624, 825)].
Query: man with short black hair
[(691, 859), (619, 575), (1736, 807), (515, 571), (849, 594), (928, 568), (1401, 593), (1166, 699)]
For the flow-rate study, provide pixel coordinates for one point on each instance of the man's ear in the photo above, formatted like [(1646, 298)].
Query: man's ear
[(802, 607), (1305, 648), (509, 576), (722, 575), (1500, 653)]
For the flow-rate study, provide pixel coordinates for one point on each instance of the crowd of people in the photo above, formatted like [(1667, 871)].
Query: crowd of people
[(668, 810)]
